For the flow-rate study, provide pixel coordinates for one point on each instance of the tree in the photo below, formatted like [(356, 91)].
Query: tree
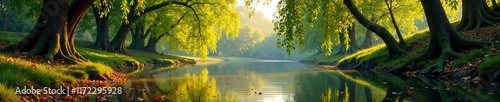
[(138, 8), (444, 39), (159, 33), (53, 35), (247, 38), (390, 6), (139, 34), (495, 5), (392, 45), (476, 13), (101, 17), (5, 14)]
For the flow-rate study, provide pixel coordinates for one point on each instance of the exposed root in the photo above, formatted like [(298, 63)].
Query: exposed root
[(101, 46), (476, 15)]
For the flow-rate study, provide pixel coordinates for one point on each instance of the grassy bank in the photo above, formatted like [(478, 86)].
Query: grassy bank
[(21, 70), (484, 62)]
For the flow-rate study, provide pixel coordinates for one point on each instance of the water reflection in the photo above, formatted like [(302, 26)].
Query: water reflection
[(284, 81)]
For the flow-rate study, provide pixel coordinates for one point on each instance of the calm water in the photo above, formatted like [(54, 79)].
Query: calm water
[(284, 80)]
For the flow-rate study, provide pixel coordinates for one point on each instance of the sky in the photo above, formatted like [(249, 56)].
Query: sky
[(268, 10)]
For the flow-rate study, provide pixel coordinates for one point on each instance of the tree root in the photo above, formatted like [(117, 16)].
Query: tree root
[(438, 66)]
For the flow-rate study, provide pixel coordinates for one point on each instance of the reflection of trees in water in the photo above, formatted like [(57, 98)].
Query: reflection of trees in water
[(364, 86), (191, 87), (313, 85), (429, 89)]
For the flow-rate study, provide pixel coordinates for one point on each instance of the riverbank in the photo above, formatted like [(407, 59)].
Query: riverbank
[(472, 62), (103, 68)]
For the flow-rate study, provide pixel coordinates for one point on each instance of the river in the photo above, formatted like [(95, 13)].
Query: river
[(292, 81)]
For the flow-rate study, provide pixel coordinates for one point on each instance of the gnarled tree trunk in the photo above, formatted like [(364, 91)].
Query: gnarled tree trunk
[(139, 34), (368, 42), (444, 39), (102, 38), (476, 13), (151, 46), (53, 35), (495, 5), (392, 45)]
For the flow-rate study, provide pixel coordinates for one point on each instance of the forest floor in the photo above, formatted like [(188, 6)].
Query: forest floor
[(473, 63), (102, 69)]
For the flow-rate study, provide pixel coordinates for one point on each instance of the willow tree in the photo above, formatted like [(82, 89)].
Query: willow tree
[(53, 34), (476, 13), (200, 29), (338, 18), (139, 8), (163, 24), (289, 24)]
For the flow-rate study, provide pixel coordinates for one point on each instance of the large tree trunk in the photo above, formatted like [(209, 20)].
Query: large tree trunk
[(118, 42), (5, 18), (368, 42), (444, 39), (393, 20), (353, 42), (476, 13), (102, 38), (5, 15), (153, 40), (53, 35), (495, 5), (139, 34), (342, 45), (392, 45)]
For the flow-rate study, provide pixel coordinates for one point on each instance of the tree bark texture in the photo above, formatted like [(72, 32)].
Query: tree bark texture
[(153, 41), (353, 42), (102, 38), (476, 13), (139, 34), (53, 35), (444, 39)]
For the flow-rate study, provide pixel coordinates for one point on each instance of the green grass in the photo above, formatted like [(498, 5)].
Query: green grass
[(321, 58), (379, 53), (472, 55), (11, 37), (16, 71), (21, 72), (490, 66), (134, 57), (7, 94)]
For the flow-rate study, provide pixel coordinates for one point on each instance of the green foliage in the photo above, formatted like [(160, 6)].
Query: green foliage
[(470, 57), (490, 66), (247, 39), (204, 23), (7, 94)]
